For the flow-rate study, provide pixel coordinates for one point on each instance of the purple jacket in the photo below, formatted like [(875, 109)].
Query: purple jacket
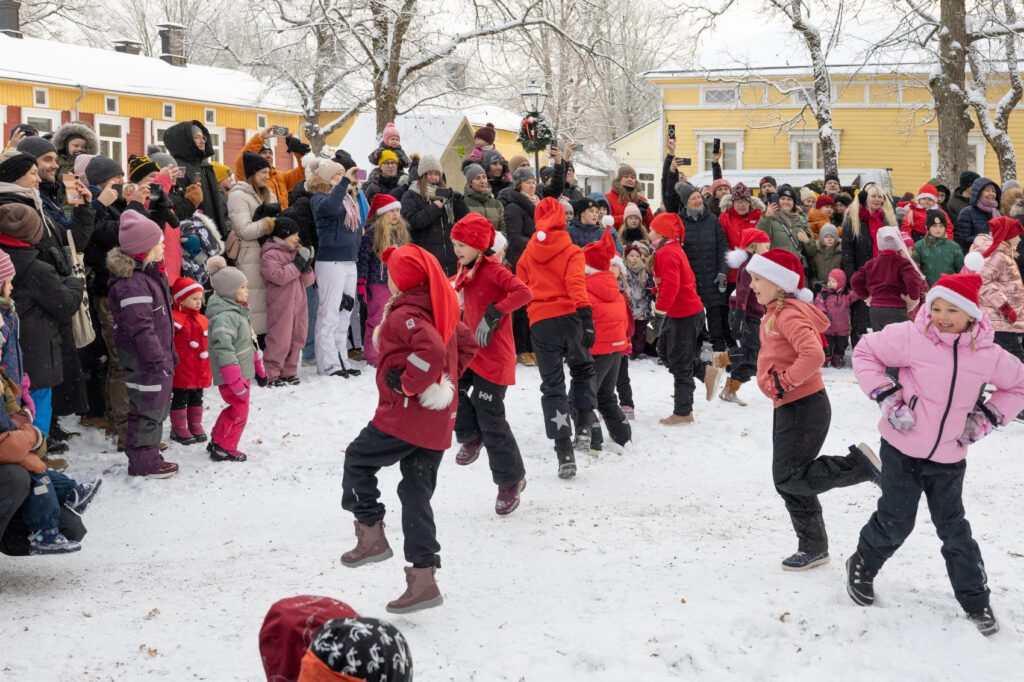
[(286, 286), (141, 307), (884, 278), (836, 306), (942, 378)]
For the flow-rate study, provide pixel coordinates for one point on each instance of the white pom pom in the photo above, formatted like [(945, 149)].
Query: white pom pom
[(216, 263), (204, 355), (974, 261), (193, 344), (541, 236), (736, 258), (608, 221), (805, 295), (438, 396)]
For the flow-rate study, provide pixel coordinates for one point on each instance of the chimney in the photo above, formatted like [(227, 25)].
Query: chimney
[(172, 43), (126, 46), (10, 20)]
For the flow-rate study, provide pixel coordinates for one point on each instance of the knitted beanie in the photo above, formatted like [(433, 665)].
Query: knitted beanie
[(364, 649), (141, 166), (220, 171), (740, 192), (486, 133), (428, 163), (522, 175), (21, 222), (824, 200), (15, 165), (325, 169), (80, 165), (784, 270), (284, 227), (807, 194), (6, 267), (390, 130), (631, 210), (138, 234), (36, 146), (624, 170), (182, 288), (253, 163), (960, 290), (473, 170), (839, 276), (581, 205), (385, 156), (828, 230), (225, 279), (100, 169)]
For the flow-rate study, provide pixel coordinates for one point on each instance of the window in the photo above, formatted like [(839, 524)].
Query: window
[(113, 134), (168, 111), (210, 117), (646, 181), (976, 149), (732, 149), (805, 149), (110, 104), (43, 120), (41, 97), (721, 95), (261, 121), (158, 130), (729, 155), (217, 139)]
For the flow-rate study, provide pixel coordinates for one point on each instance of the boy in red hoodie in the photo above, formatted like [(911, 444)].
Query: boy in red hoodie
[(422, 344), (489, 293), (562, 330), (611, 317)]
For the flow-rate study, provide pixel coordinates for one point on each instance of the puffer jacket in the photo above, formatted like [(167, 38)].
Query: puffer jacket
[(1001, 285), (938, 257), (232, 341), (836, 306), (242, 205), (792, 348), (140, 304), (486, 205), (431, 227), (942, 376), (825, 260), (378, 183), (611, 314), (519, 224), (705, 245), (180, 145), (338, 242), (972, 220), (582, 235), (915, 222)]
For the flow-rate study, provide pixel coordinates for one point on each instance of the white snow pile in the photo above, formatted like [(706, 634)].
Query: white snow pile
[(658, 562)]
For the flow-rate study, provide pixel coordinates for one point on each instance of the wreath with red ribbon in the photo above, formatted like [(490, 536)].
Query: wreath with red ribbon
[(535, 134)]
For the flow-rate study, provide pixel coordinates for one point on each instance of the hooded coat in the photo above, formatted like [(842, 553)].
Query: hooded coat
[(63, 135), (676, 281), (232, 341), (519, 223), (493, 283), (792, 348), (180, 145), (611, 314), (242, 205), (1001, 284), (281, 182), (285, 289), (938, 257), (733, 223), (942, 376), (191, 343), (705, 245), (141, 306), (553, 267), (972, 220)]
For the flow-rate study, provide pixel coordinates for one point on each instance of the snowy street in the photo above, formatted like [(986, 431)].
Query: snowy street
[(658, 563)]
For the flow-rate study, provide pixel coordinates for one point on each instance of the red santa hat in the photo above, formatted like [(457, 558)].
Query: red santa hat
[(669, 225), (783, 269), (381, 204), (474, 230), (928, 192), (748, 236), (960, 290), (184, 287), (599, 254), (548, 216), (1002, 228)]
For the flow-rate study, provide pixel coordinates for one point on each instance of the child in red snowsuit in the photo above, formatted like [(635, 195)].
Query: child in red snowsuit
[(192, 374), (489, 294), (422, 345)]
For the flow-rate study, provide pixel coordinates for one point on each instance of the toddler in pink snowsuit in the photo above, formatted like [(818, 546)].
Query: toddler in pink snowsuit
[(834, 300), (287, 269)]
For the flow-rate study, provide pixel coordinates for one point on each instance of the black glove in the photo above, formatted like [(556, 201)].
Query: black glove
[(488, 323), (393, 379), (266, 211), (722, 280), (347, 302), (644, 208), (303, 258), (586, 316), (262, 380), (61, 263), (296, 146)]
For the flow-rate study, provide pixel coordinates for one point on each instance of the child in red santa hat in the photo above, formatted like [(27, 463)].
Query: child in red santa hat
[(745, 314), (192, 374)]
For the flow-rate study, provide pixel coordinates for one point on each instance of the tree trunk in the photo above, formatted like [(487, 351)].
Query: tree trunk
[(948, 89), (314, 135)]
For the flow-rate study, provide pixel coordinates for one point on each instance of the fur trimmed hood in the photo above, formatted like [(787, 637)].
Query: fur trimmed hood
[(726, 202), (120, 264), (76, 129)]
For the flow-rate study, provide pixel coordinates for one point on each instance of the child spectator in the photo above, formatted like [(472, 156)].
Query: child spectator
[(745, 315), (385, 227), (390, 140), (611, 345), (829, 255), (820, 214), (200, 240), (422, 344), (936, 253), (890, 281), (632, 229), (144, 335), (561, 329), (640, 290), (489, 293), (916, 223), (834, 300), (234, 358), (945, 357), (192, 373), (789, 373), (287, 269)]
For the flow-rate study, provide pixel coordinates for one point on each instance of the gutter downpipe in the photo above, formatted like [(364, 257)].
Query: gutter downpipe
[(78, 101)]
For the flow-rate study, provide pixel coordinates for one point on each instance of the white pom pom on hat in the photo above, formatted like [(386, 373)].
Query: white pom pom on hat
[(736, 258), (974, 261), (541, 236)]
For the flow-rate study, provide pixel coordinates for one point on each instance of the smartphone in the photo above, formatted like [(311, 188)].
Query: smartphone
[(577, 146), (279, 130), (671, 131), (360, 174), (686, 161), (70, 180), (119, 189), (197, 179), (773, 197), (716, 147), (155, 191)]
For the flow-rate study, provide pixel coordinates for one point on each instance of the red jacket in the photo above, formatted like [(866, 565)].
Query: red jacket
[(677, 285), (915, 223), (616, 209), (884, 278), (190, 343), (611, 313), (553, 269), (409, 341), (492, 283), (733, 225)]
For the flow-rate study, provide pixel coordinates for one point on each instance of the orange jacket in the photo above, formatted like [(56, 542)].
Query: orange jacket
[(16, 446), (281, 182), (792, 349), (610, 314), (552, 266)]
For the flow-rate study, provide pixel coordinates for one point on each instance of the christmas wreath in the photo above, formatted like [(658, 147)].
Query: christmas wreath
[(534, 134)]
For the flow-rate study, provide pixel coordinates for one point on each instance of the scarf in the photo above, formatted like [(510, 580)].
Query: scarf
[(787, 217), (141, 258), (351, 214), (695, 214), (989, 206)]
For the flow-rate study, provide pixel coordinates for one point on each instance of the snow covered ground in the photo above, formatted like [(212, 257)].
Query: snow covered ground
[(658, 563)]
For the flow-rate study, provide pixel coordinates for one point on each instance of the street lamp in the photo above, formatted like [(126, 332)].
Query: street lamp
[(534, 98)]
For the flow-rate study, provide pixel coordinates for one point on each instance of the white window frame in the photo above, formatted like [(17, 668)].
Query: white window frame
[(262, 121), (973, 138), (54, 116), (221, 133), (798, 136), (705, 135), (124, 122), (117, 105), (210, 116), (157, 126), (708, 89), (163, 111), (46, 97)]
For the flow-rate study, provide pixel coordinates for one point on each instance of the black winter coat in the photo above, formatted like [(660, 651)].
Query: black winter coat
[(300, 209), (179, 143), (856, 252), (973, 221), (519, 225), (104, 237), (377, 183), (45, 303), (705, 245), (431, 228)]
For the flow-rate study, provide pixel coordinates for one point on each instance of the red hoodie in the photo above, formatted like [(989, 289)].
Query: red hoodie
[(552, 266), (677, 285), (492, 283), (610, 313)]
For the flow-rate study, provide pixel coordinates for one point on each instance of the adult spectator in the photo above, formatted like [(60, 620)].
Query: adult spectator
[(300, 209), (431, 208), (572, 191), (870, 211), (983, 207), (386, 178), (831, 185), (625, 190), (280, 182), (719, 188), (498, 175), (480, 199), (961, 197), (787, 227), (190, 144), (252, 208), (520, 202), (740, 210), (767, 185)]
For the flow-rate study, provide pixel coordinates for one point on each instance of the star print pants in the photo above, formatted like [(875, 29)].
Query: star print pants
[(557, 340)]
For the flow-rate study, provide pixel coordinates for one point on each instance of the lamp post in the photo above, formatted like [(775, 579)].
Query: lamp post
[(534, 98)]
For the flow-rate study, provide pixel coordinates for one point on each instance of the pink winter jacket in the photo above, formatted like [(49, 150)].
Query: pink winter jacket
[(836, 306), (1001, 284), (941, 378)]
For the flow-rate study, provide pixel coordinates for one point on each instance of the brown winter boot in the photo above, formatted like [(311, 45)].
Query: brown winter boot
[(728, 393), (722, 359), (420, 593), (712, 375), (676, 420), (371, 546)]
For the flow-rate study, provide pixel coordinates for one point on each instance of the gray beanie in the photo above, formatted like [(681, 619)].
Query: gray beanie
[(827, 230), (473, 170), (36, 146), (521, 175), (492, 156), (101, 169), (226, 280), (429, 163), (1011, 184), (163, 159)]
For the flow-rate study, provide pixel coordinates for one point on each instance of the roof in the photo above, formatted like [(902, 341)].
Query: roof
[(503, 119), (423, 134), (639, 128), (32, 60)]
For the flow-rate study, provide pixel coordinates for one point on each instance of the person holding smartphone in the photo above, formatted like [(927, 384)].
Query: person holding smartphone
[(280, 182)]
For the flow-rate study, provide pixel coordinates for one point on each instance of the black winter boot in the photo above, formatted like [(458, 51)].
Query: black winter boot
[(985, 621), (860, 580), (566, 458), (583, 431)]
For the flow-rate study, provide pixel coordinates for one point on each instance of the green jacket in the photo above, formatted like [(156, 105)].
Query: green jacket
[(232, 341), (487, 206), (776, 231), (938, 257)]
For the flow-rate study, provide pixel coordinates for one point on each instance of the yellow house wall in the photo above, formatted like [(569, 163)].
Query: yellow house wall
[(335, 138)]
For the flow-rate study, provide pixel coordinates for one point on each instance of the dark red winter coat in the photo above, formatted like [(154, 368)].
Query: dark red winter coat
[(733, 225), (677, 285), (493, 283), (744, 299), (884, 278), (409, 342), (191, 337), (610, 313), (616, 208)]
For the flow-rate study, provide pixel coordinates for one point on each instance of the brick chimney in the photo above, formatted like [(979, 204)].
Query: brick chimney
[(172, 43), (10, 18), (126, 46)]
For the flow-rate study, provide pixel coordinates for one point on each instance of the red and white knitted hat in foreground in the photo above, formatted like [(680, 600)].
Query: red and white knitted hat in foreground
[(960, 290), (784, 270)]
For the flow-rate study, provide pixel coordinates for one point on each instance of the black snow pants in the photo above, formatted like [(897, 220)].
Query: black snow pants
[(481, 416), (679, 348), (557, 340)]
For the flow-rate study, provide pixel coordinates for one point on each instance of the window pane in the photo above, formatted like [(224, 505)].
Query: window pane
[(41, 97), (43, 125), (807, 155), (647, 184), (110, 130), (111, 104), (726, 96), (972, 158), (730, 151)]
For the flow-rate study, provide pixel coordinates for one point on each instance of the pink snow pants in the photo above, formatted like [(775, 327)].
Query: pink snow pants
[(231, 422), (377, 295)]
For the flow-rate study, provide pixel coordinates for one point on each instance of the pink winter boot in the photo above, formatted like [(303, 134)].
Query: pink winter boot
[(179, 428), (195, 424)]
